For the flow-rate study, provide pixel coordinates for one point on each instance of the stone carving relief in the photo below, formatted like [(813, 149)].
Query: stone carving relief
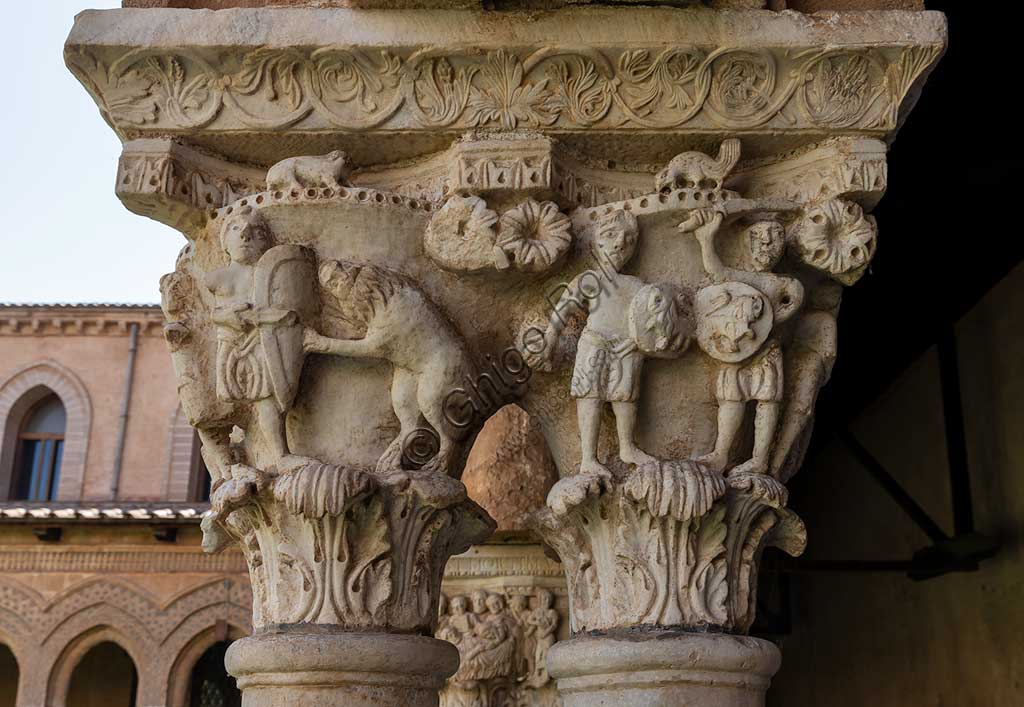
[(326, 542), (649, 532), (360, 88), (503, 641), (638, 235), (650, 540)]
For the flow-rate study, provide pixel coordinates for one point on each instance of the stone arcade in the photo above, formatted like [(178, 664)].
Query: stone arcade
[(654, 208)]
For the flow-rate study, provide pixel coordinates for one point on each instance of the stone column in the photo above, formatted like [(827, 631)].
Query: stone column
[(635, 222), (505, 603)]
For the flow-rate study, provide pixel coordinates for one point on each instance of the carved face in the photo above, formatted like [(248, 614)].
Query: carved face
[(518, 602), (766, 240), (245, 238), (337, 278), (495, 603), (479, 601), (616, 238), (656, 322), (544, 599), (458, 606)]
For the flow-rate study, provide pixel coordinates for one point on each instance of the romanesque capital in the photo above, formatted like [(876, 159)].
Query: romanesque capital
[(635, 223)]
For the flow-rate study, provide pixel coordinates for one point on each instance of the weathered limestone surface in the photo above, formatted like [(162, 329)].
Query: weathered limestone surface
[(509, 471), (634, 223)]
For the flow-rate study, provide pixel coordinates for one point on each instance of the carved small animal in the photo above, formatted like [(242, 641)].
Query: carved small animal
[(695, 170), (328, 171)]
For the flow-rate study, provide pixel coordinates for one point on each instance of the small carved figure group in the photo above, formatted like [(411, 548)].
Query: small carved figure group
[(503, 646)]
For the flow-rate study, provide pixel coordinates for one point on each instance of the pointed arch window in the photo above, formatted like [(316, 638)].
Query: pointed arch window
[(40, 448)]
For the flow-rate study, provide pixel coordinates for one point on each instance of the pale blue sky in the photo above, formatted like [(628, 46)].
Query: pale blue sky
[(65, 236)]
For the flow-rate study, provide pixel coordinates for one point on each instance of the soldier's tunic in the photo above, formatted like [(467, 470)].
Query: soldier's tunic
[(759, 378), (607, 368)]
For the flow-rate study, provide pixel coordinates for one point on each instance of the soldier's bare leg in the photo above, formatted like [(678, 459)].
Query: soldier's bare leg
[(730, 418), (766, 422), (795, 418), (625, 425), (271, 423), (588, 415)]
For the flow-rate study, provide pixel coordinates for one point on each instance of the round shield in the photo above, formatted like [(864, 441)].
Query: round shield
[(733, 320)]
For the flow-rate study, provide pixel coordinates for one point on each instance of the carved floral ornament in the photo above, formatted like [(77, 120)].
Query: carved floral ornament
[(352, 88)]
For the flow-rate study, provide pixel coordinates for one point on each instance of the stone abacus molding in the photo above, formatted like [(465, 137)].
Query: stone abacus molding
[(845, 76), (52, 634), (19, 392)]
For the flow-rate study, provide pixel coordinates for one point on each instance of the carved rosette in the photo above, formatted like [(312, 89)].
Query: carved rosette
[(340, 546), (665, 547)]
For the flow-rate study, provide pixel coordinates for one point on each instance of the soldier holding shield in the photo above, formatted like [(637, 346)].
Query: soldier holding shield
[(262, 298)]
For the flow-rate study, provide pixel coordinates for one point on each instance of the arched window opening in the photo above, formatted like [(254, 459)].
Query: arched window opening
[(210, 685), (39, 452), (105, 677), (199, 478), (8, 677)]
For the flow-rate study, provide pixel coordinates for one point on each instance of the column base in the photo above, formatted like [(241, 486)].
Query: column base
[(334, 668), (663, 669)]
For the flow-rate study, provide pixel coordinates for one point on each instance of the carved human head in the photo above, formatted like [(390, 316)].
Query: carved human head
[(479, 598), (766, 241), (518, 602), (745, 310), (496, 603), (458, 605), (659, 320), (246, 236), (545, 599), (616, 237)]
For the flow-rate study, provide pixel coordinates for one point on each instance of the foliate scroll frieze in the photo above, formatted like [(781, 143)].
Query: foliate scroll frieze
[(551, 87)]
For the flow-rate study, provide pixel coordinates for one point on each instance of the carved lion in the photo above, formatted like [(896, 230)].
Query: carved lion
[(400, 325)]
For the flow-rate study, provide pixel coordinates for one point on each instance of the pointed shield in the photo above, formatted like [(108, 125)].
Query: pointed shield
[(286, 301)]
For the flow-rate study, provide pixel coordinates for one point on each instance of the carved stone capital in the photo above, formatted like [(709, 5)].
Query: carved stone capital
[(504, 607), (343, 547), (665, 547), (635, 223)]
